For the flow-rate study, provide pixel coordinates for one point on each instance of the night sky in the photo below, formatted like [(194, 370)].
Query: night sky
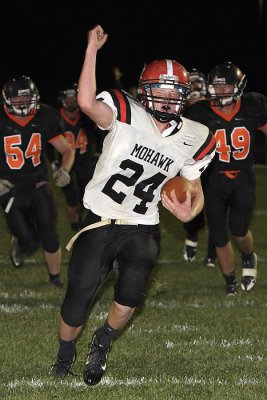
[(46, 39)]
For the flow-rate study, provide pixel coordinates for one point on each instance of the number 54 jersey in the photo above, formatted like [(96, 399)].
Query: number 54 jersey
[(22, 145), (137, 159)]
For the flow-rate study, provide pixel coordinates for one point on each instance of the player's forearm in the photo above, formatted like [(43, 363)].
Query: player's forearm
[(67, 159), (96, 110), (198, 200), (87, 82), (197, 205)]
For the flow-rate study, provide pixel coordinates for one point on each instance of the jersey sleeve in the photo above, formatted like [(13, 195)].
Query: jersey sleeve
[(107, 98), (193, 170), (194, 167), (118, 101), (257, 104)]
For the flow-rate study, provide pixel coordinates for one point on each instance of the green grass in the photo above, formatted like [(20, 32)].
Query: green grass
[(189, 341)]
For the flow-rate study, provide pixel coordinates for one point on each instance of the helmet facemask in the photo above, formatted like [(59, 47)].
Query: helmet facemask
[(199, 85), (22, 105), (163, 89), (223, 75), (171, 96), (225, 98), (68, 100)]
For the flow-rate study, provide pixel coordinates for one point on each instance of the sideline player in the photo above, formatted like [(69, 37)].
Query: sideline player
[(234, 119), (80, 132), (199, 93), (25, 195)]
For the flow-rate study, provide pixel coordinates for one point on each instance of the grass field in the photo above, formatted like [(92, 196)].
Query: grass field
[(189, 341)]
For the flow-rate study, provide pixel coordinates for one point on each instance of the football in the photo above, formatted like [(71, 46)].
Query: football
[(180, 185)]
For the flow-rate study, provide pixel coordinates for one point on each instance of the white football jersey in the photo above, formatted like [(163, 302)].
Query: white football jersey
[(137, 160)]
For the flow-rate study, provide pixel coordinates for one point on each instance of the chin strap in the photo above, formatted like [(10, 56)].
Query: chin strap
[(164, 117)]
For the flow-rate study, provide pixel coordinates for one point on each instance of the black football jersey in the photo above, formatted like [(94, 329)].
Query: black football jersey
[(79, 133), (234, 133), (23, 142)]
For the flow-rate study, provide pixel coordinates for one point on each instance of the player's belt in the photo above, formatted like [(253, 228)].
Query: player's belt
[(104, 221), (230, 174)]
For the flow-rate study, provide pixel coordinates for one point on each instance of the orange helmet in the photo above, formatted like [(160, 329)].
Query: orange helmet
[(164, 74)]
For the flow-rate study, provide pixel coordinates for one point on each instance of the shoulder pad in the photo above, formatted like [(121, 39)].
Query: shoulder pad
[(121, 102)]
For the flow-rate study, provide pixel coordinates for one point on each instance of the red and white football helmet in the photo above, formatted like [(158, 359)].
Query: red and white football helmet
[(164, 74)]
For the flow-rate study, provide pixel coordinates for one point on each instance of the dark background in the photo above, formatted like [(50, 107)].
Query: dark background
[(46, 39)]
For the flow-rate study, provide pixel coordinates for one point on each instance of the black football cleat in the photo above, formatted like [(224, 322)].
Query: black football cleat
[(96, 361), (16, 255), (209, 262), (62, 368), (249, 273), (190, 250), (231, 289), (57, 282)]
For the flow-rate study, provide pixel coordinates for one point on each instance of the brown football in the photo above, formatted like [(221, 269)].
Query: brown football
[(180, 185)]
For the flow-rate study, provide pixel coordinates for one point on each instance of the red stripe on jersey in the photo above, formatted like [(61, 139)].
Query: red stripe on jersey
[(207, 149), (122, 102)]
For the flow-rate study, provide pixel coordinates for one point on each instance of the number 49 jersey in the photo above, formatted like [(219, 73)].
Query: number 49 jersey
[(137, 159), (234, 133)]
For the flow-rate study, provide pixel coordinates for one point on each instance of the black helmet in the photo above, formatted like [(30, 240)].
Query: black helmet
[(21, 86), (226, 73), (198, 83), (68, 97)]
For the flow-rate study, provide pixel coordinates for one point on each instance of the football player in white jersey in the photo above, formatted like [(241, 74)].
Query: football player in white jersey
[(148, 143)]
